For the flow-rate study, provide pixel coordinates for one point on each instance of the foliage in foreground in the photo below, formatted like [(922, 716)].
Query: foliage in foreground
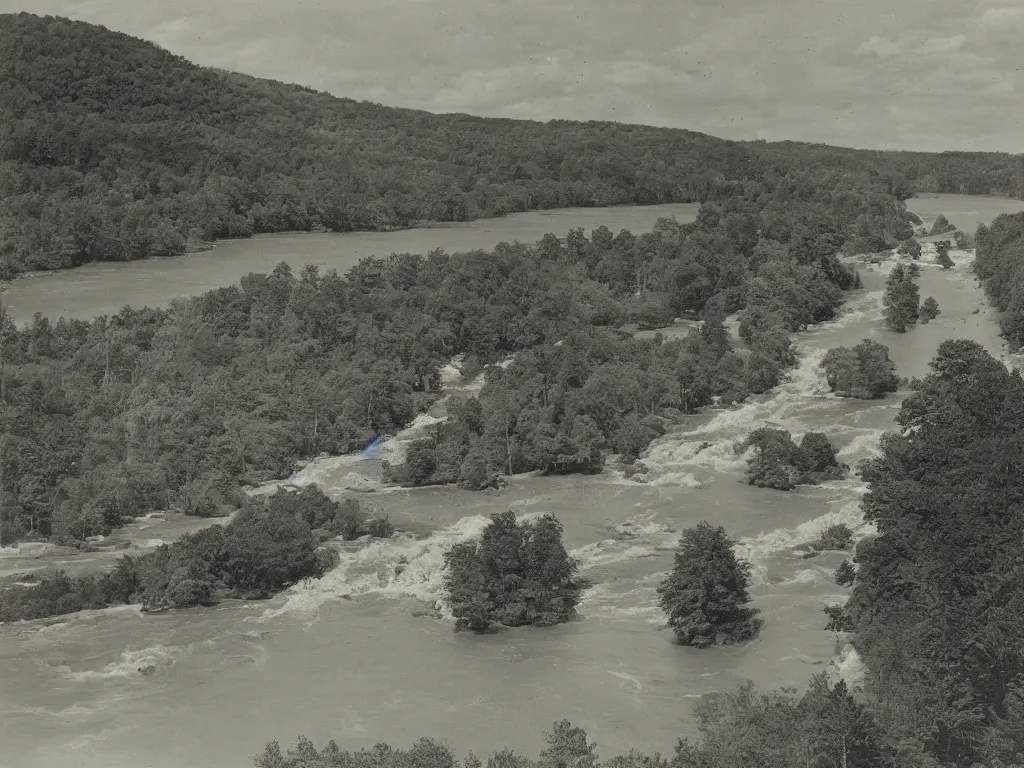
[(864, 371), (937, 605), (705, 596), (825, 726), (777, 462), (517, 574)]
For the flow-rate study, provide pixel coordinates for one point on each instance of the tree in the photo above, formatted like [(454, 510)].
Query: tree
[(518, 574), (466, 584), (837, 536), (816, 459), (845, 574), (911, 248), (929, 310), (941, 226), (774, 461), (942, 254), (705, 595), (567, 747), (864, 372), (901, 299)]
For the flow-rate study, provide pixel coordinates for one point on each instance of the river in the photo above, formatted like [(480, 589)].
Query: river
[(358, 658), (102, 289)]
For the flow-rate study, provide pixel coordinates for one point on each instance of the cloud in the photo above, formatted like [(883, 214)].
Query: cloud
[(874, 73), (881, 47), (996, 17), (940, 45)]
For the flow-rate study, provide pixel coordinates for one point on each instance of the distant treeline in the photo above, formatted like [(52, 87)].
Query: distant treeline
[(174, 408), (113, 149)]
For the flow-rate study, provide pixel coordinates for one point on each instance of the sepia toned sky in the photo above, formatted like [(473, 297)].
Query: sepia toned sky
[(914, 74)]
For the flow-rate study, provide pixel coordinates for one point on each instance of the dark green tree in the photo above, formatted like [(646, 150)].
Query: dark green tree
[(705, 596), (519, 573)]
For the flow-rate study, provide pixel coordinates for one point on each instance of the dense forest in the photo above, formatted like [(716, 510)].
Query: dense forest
[(175, 408), (936, 611), (113, 149), (1000, 266)]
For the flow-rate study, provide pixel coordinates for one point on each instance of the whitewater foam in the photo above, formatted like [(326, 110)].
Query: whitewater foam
[(695, 457), (758, 550), (132, 664), (636, 538), (401, 566)]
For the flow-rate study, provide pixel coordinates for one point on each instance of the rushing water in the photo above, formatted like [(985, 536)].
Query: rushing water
[(359, 656)]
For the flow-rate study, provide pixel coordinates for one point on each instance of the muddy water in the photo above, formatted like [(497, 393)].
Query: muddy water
[(367, 654)]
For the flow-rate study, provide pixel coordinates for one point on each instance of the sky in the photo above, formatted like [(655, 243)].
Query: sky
[(912, 74)]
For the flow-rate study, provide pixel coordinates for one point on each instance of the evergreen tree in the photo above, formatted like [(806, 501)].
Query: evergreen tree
[(705, 595), (901, 299), (941, 226)]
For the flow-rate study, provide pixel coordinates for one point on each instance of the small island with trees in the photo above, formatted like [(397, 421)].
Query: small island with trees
[(778, 462), (864, 371)]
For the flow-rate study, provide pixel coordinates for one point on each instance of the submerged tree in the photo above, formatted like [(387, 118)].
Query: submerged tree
[(942, 258), (778, 462), (519, 573), (705, 595), (901, 299), (910, 248), (929, 310), (864, 372)]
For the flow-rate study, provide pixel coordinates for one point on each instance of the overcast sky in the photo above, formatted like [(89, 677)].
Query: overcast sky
[(916, 74)]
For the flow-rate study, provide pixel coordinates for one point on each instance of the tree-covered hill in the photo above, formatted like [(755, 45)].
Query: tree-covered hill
[(114, 149)]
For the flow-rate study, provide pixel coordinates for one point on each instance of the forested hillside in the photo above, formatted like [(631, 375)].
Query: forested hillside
[(114, 149)]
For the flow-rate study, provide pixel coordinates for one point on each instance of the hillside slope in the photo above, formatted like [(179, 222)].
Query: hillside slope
[(114, 149)]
